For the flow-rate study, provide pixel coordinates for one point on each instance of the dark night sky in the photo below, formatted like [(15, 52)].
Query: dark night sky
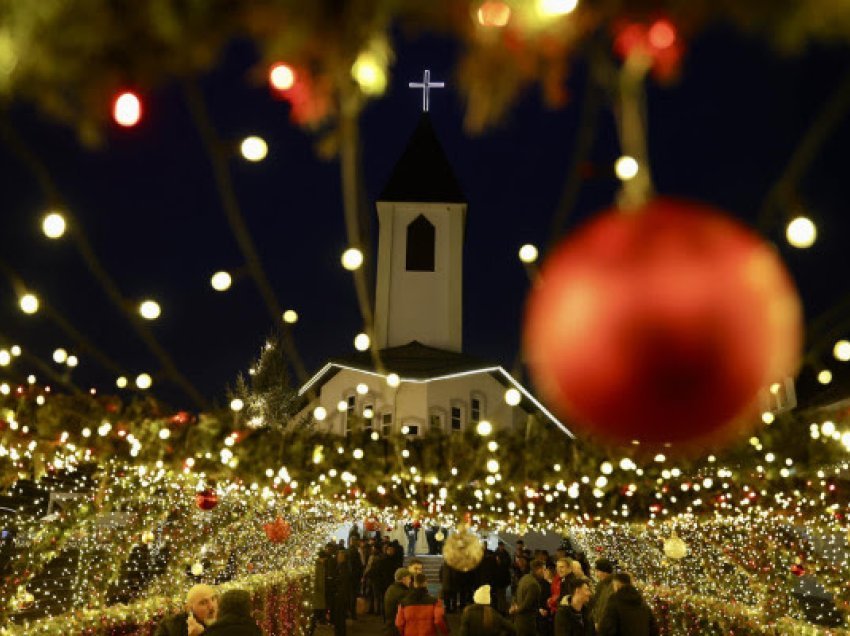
[(147, 201)]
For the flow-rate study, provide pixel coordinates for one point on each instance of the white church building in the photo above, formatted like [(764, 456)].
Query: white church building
[(424, 381)]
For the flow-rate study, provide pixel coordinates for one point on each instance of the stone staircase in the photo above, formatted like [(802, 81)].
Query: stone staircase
[(430, 567)]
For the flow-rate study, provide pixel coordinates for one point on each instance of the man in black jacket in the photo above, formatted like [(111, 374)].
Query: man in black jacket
[(395, 593), (573, 616), (201, 610), (626, 613), (235, 616)]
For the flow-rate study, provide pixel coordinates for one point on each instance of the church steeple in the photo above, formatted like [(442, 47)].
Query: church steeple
[(421, 215)]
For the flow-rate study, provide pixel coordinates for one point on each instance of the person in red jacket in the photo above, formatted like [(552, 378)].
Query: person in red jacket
[(563, 569), (419, 613)]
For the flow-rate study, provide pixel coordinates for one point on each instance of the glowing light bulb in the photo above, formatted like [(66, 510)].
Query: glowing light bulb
[(16, 350), (369, 74), (150, 309), (513, 397), (236, 405), (60, 356), (626, 168), (342, 406), (127, 109), (121, 382), (362, 342), (352, 259), (144, 381), (841, 350), (825, 376), (528, 253), (492, 466), (5, 358), (320, 413), (281, 76), (254, 148), (484, 428), (606, 468), (768, 418), (53, 225), (290, 316), (556, 7), (358, 453), (393, 380), (362, 389), (221, 281), (662, 34), (29, 303), (801, 232)]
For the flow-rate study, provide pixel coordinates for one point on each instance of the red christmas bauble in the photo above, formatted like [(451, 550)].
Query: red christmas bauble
[(277, 531), (798, 570), (206, 499), (662, 324), (371, 524)]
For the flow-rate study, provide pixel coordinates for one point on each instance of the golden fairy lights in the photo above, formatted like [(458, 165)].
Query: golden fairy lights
[(53, 225), (254, 148)]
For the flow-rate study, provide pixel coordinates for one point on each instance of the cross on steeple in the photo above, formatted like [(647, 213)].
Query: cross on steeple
[(426, 84)]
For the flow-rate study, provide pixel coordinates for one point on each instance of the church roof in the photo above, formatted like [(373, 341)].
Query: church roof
[(415, 362), (423, 174)]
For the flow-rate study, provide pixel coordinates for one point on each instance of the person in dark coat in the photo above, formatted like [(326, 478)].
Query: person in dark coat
[(573, 616), (448, 587), (201, 610), (626, 613), (480, 619), (395, 593), (234, 616), (341, 593), (527, 605), (356, 565), (503, 578), (603, 591)]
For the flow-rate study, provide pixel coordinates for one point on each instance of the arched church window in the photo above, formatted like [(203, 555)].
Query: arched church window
[(420, 245)]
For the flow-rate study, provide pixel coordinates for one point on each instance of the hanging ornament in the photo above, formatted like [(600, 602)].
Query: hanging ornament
[(462, 550), (277, 531), (659, 40), (206, 499), (371, 524), (675, 548), (798, 570), (147, 537), (197, 569), (661, 325)]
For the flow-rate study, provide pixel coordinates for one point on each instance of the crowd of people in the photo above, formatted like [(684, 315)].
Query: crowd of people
[(529, 593)]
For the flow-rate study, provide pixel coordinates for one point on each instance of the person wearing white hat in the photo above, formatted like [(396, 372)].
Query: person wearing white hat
[(479, 619)]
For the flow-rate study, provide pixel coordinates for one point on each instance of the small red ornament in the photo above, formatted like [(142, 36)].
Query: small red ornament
[(798, 570), (278, 530), (417, 524), (662, 324), (206, 499), (660, 40), (182, 418), (371, 524)]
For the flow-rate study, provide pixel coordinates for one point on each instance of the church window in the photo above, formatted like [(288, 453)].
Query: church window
[(420, 245), (386, 423), (368, 417), (346, 415), (413, 429), (457, 418), (474, 410), (435, 421)]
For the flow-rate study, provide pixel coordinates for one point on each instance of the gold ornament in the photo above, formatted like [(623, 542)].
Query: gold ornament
[(147, 536), (463, 550), (675, 548)]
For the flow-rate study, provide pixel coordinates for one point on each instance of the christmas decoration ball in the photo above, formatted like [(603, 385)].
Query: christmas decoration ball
[(206, 499), (662, 324), (371, 525), (675, 548), (462, 550)]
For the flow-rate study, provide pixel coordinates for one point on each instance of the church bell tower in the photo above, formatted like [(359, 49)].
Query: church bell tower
[(421, 217)]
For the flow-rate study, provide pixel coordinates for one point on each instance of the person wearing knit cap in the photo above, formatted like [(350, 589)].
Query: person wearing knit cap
[(234, 616), (479, 619), (395, 592), (604, 570)]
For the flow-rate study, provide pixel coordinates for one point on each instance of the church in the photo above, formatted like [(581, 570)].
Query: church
[(421, 381)]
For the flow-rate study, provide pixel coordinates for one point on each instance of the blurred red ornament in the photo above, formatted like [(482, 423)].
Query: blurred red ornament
[(278, 530), (659, 40), (127, 109), (206, 499), (371, 524), (417, 524), (494, 13), (182, 418), (662, 324), (798, 570)]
